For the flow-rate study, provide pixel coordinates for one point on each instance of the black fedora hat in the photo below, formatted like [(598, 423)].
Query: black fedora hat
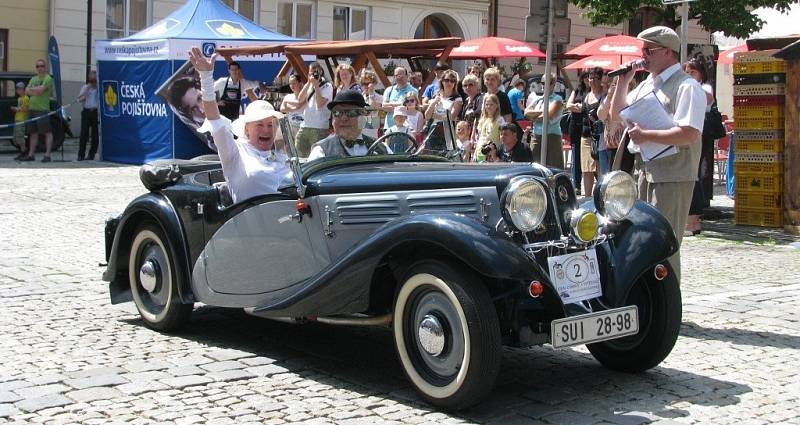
[(348, 97)]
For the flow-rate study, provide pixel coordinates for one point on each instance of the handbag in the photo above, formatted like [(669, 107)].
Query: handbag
[(712, 126)]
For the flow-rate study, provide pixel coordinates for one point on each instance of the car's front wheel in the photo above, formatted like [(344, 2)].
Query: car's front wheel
[(154, 280), (660, 311), (447, 334)]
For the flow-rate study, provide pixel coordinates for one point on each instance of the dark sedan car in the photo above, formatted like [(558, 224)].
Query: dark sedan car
[(457, 259)]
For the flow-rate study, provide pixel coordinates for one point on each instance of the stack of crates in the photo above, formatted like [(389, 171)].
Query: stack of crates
[(759, 112)]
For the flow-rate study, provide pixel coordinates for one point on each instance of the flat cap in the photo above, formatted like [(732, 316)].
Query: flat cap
[(663, 36)]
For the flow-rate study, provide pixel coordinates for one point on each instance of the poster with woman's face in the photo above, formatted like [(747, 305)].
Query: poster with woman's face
[(182, 93)]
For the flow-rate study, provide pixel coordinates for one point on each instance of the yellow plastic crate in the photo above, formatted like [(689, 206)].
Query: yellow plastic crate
[(751, 146), (740, 112), (763, 67), (760, 134), (758, 182), (759, 200), (758, 123), (759, 90), (759, 167), (763, 217)]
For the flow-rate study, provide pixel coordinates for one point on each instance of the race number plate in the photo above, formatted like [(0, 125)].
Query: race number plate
[(576, 276), (594, 327)]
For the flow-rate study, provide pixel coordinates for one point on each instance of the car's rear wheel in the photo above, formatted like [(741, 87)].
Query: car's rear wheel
[(447, 334), (154, 280), (660, 311)]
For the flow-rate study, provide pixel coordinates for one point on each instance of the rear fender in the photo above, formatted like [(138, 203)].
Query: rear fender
[(157, 208)]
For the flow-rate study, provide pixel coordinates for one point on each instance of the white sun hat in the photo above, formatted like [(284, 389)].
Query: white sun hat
[(256, 111)]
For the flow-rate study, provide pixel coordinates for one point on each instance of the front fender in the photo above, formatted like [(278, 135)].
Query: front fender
[(150, 206), (344, 286), (638, 244)]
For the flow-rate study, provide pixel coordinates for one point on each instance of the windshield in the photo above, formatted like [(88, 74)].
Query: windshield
[(438, 138)]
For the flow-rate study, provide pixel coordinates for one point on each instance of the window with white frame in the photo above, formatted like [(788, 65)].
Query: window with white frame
[(246, 8), (296, 19), (350, 23), (126, 17)]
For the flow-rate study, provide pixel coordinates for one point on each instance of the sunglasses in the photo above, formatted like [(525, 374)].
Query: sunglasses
[(40, 66), (410, 101), (649, 50), (349, 113)]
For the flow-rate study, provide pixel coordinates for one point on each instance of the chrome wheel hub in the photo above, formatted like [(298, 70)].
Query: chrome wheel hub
[(148, 275), (431, 335)]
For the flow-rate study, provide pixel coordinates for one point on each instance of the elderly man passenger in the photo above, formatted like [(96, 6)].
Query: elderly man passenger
[(252, 164), (348, 109)]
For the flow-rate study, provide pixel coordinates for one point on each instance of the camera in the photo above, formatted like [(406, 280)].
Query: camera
[(487, 148)]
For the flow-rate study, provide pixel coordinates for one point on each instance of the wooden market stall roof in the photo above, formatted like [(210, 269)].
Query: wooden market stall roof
[(363, 52)]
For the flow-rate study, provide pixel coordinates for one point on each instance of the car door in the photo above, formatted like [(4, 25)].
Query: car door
[(263, 248)]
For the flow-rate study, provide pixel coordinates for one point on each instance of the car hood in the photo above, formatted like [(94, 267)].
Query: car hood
[(394, 176)]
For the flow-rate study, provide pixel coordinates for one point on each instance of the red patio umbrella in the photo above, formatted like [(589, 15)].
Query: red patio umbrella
[(726, 56), (612, 45), (494, 47), (609, 62)]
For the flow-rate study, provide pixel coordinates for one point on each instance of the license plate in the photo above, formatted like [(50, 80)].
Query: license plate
[(594, 327), (576, 276)]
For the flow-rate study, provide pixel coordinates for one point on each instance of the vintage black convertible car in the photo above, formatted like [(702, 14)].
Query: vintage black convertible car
[(457, 259)]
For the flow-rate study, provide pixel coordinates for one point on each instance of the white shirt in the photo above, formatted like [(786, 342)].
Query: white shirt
[(295, 117), (219, 85), (399, 129), (90, 96), (315, 116), (690, 105), (532, 99), (249, 172)]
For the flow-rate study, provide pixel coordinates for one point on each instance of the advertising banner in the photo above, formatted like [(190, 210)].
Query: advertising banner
[(55, 66), (136, 121)]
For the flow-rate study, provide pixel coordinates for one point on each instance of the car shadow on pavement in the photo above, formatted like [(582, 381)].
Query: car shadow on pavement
[(564, 386), (741, 336)]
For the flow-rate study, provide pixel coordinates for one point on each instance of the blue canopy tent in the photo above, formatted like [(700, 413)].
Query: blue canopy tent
[(137, 124)]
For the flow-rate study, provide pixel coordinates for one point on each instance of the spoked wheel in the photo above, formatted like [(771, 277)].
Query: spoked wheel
[(660, 311), (447, 335), (154, 279)]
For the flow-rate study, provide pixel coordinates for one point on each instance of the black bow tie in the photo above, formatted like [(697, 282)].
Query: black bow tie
[(351, 143)]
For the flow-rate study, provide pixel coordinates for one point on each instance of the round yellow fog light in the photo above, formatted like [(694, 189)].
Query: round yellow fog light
[(584, 225)]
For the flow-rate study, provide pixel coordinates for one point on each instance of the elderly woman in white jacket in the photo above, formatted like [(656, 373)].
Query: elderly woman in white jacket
[(255, 164)]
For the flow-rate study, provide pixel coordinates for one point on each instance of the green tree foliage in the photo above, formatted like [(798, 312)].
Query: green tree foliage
[(731, 17)]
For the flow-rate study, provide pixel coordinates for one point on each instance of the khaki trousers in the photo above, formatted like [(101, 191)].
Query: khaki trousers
[(672, 200)]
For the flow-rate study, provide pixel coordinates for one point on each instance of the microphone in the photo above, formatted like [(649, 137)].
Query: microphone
[(637, 64)]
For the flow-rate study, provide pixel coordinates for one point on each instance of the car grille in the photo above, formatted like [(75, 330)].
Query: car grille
[(377, 209), (454, 202), (367, 210)]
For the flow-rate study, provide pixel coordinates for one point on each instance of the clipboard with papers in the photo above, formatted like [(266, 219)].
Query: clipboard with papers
[(650, 114)]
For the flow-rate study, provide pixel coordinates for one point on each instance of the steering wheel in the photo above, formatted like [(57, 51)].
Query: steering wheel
[(412, 142)]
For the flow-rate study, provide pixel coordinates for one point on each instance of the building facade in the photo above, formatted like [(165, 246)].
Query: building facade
[(26, 26)]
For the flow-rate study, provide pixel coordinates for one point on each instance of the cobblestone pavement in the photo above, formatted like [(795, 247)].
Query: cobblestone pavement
[(69, 356)]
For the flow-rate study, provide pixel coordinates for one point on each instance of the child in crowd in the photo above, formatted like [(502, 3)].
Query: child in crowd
[(465, 143), (415, 119), (489, 125), (400, 124), (20, 115), (399, 144)]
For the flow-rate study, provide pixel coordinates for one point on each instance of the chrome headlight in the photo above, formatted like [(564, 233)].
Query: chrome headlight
[(525, 203), (615, 195)]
